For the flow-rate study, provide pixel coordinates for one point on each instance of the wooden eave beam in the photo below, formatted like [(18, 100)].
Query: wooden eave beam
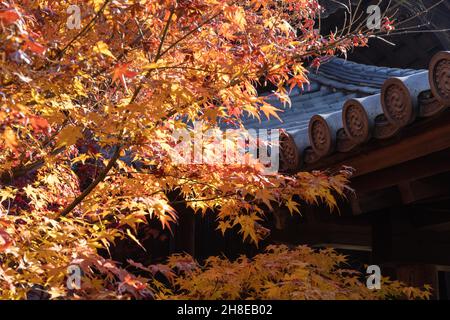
[(430, 165)]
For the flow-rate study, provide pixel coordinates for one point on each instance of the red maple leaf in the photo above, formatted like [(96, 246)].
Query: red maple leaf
[(121, 72)]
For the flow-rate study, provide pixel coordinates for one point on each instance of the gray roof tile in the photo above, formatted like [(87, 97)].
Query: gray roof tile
[(335, 82)]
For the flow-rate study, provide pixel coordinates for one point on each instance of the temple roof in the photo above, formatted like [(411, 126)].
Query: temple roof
[(331, 85), (348, 104)]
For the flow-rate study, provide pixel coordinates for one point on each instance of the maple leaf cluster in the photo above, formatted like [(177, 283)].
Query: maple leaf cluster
[(87, 119), (298, 273)]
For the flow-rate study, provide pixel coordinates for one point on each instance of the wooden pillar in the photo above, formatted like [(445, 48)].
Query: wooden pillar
[(185, 233), (382, 237), (418, 275), (183, 239)]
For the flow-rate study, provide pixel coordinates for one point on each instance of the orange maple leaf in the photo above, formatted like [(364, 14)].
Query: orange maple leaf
[(5, 240), (10, 138), (9, 16), (121, 72), (39, 124), (33, 46)]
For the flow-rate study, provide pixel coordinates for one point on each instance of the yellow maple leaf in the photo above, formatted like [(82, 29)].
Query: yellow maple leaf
[(292, 206), (154, 65), (69, 136), (97, 4), (103, 49), (265, 196), (223, 226), (79, 89), (132, 237), (10, 138), (270, 110)]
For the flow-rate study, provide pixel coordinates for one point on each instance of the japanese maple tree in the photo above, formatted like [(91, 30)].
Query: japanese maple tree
[(87, 119)]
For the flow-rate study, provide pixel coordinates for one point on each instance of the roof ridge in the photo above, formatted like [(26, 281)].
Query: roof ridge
[(345, 74)]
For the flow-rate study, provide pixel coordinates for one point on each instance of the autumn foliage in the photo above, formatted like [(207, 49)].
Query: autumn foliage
[(280, 273), (86, 123)]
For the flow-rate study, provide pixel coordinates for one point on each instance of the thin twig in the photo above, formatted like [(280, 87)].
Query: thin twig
[(84, 30)]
